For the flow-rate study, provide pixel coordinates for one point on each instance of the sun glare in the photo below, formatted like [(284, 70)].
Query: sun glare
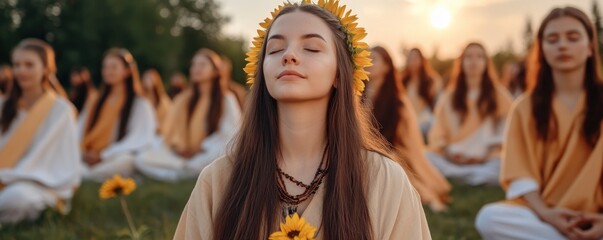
[(440, 17)]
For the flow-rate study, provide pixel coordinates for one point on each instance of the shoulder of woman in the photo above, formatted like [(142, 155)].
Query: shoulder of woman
[(523, 103), (231, 97), (444, 97), (503, 93), (182, 97), (63, 104), (384, 171), (218, 172)]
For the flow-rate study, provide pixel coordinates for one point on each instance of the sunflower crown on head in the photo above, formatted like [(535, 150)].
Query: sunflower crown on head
[(357, 49)]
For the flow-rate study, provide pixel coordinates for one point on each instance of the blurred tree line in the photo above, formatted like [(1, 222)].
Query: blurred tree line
[(162, 34)]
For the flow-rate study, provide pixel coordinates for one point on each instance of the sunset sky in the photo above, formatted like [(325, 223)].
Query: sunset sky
[(448, 24)]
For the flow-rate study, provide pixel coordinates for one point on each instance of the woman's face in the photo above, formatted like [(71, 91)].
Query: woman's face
[(413, 61), (202, 70), (114, 70), (75, 78), (28, 68), (177, 80), (5, 73), (474, 61), (565, 44), (379, 67), (147, 80), (300, 62)]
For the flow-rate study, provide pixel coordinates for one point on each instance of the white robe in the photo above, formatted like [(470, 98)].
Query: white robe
[(47, 173), (424, 116), (118, 158), (162, 164), (476, 145)]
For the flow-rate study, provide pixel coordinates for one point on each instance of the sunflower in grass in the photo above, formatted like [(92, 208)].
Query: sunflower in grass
[(116, 186), (294, 228)]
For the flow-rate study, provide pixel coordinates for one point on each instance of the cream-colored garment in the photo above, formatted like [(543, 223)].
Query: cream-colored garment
[(394, 206), (140, 132), (52, 157), (423, 111), (23, 135), (475, 136), (566, 169), (162, 163), (118, 156), (184, 132)]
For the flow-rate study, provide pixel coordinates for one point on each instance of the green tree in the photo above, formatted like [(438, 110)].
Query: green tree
[(162, 34), (528, 35)]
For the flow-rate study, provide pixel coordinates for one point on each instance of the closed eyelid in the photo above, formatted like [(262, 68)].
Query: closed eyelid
[(573, 34)]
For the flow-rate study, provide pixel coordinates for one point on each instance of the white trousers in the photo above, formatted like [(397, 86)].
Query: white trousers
[(121, 164), (21, 201), (505, 221), (162, 164), (475, 174)]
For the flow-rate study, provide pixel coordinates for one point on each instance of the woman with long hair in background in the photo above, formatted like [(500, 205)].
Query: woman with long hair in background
[(120, 124), (466, 137), (154, 91), (553, 150), (202, 121), (83, 92), (39, 157), (422, 85), (397, 123)]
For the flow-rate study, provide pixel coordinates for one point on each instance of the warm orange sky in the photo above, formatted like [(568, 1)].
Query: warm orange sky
[(394, 23)]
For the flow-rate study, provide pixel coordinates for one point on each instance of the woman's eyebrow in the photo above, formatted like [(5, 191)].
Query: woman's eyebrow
[(305, 36)]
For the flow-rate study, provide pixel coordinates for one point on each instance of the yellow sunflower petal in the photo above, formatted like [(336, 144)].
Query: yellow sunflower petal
[(348, 20), (340, 11)]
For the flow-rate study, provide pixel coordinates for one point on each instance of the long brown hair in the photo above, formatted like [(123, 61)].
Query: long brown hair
[(388, 103), (542, 86), (486, 102), (217, 92), (79, 94), (251, 195), (427, 79), (519, 82), (6, 79), (133, 89), (157, 90), (43, 50)]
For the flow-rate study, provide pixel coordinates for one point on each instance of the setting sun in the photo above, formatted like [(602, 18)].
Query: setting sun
[(440, 17)]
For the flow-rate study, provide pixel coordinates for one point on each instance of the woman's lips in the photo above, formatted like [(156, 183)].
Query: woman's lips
[(289, 73)]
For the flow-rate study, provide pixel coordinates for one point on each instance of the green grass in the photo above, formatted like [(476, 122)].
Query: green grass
[(458, 221), (158, 206)]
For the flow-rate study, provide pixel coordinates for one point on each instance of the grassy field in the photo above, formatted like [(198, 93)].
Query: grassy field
[(158, 205)]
